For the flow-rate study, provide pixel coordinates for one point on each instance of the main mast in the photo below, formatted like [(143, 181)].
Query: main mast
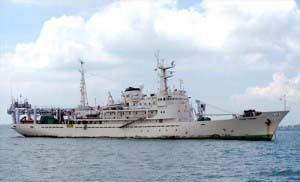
[(83, 92), (164, 74)]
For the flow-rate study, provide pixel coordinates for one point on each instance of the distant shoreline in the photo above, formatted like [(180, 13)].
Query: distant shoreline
[(290, 127)]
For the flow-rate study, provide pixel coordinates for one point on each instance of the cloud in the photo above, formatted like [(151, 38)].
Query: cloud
[(118, 41), (66, 3), (237, 31), (280, 85)]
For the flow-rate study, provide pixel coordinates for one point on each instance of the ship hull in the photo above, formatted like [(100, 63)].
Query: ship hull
[(252, 128)]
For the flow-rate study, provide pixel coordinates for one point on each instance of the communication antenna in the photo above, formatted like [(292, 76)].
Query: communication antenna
[(11, 92), (157, 58), (83, 92), (284, 100), (110, 99), (181, 84), (123, 97)]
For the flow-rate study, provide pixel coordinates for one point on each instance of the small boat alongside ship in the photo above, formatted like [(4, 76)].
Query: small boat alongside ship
[(166, 114)]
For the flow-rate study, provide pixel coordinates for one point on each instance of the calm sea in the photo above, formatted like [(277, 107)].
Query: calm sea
[(130, 160)]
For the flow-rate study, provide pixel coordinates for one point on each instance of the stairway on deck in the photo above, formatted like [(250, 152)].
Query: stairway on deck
[(130, 122)]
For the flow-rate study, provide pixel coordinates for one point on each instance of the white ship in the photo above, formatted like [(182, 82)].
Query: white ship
[(166, 114)]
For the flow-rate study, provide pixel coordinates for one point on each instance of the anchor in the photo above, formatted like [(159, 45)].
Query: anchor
[(268, 122)]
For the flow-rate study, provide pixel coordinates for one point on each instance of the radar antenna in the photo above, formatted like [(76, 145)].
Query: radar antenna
[(164, 74)]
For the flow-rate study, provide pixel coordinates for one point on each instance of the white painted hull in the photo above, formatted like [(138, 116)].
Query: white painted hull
[(236, 128)]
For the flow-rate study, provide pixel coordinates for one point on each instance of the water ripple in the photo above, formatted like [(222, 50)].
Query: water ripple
[(127, 160)]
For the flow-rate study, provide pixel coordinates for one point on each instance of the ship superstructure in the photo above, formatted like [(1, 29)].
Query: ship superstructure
[(166, 114)]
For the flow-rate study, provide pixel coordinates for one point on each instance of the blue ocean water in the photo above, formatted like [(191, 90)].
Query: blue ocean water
[(130, 160)]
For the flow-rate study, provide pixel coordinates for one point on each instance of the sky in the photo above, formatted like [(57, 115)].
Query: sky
[(232, 54)]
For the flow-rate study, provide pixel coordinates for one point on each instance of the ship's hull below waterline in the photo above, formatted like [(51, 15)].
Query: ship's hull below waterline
[(255, 128)]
